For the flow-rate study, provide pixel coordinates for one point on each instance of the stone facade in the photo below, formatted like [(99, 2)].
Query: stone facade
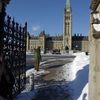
[(54, 42), (36, 41), (94, 42), (49, 43), (67, 36), (44, 42), (80, 43), (65, 41)]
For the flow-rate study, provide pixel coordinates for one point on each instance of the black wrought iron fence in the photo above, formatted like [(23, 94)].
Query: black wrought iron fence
[(14, 51)]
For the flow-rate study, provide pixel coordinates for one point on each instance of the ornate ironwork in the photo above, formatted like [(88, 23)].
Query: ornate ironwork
[(14, 50), (13, 47)]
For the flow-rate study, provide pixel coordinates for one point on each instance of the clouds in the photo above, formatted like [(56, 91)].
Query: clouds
[(36, 28)]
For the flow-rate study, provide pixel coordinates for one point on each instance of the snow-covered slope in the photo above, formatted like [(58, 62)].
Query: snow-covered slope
[(79, 77)]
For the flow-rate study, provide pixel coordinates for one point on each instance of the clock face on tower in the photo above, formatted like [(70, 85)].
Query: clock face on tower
[(68, 10)]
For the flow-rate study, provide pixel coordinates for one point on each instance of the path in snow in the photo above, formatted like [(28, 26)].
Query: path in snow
[(53, 86), (53, 92), (71, 82)]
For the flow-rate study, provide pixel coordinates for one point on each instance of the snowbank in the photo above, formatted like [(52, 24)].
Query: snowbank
[(36, 73), (79, 77), (79, 63), (25, 95), (84, 94)]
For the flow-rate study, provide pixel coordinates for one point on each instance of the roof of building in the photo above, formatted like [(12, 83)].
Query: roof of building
[(34, 37), (59, 38), (42, 34), (80, 38), (68, 5), (37, 37)]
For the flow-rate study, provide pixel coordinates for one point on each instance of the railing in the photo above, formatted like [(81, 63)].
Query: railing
[(14, 51)]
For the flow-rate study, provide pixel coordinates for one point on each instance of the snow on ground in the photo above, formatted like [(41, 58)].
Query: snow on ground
[(29, 93), (84, 94), (25, 95), (79, 63), (79, 77), (36, 73)]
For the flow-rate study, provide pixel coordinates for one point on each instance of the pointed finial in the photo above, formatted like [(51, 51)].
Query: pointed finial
[(68, 4)]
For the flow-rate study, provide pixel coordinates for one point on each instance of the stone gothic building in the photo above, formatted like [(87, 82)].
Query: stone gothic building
[(67, 36), (62, 42)]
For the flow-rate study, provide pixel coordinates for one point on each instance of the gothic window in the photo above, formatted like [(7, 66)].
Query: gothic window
[(67, 40), (68, 28), (67, 18)]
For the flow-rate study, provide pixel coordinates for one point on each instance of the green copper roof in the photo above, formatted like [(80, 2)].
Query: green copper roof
[(68, 4)]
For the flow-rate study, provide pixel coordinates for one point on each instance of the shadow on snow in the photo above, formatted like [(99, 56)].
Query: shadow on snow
[(76, 86), (61, 90)]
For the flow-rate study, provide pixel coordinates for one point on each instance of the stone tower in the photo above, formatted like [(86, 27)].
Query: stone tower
[(67, 35)]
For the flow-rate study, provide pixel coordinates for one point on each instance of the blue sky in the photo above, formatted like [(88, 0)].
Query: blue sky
[(48, 15)]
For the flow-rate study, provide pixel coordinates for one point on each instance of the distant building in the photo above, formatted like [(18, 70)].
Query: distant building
[(67, 35), (49, 43), (80, 43), (62, 42), (34, 42)]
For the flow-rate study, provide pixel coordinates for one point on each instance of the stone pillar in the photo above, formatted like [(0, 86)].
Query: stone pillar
[(94, 69)]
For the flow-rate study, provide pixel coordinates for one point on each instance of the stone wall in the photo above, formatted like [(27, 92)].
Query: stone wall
[(94, 44)]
